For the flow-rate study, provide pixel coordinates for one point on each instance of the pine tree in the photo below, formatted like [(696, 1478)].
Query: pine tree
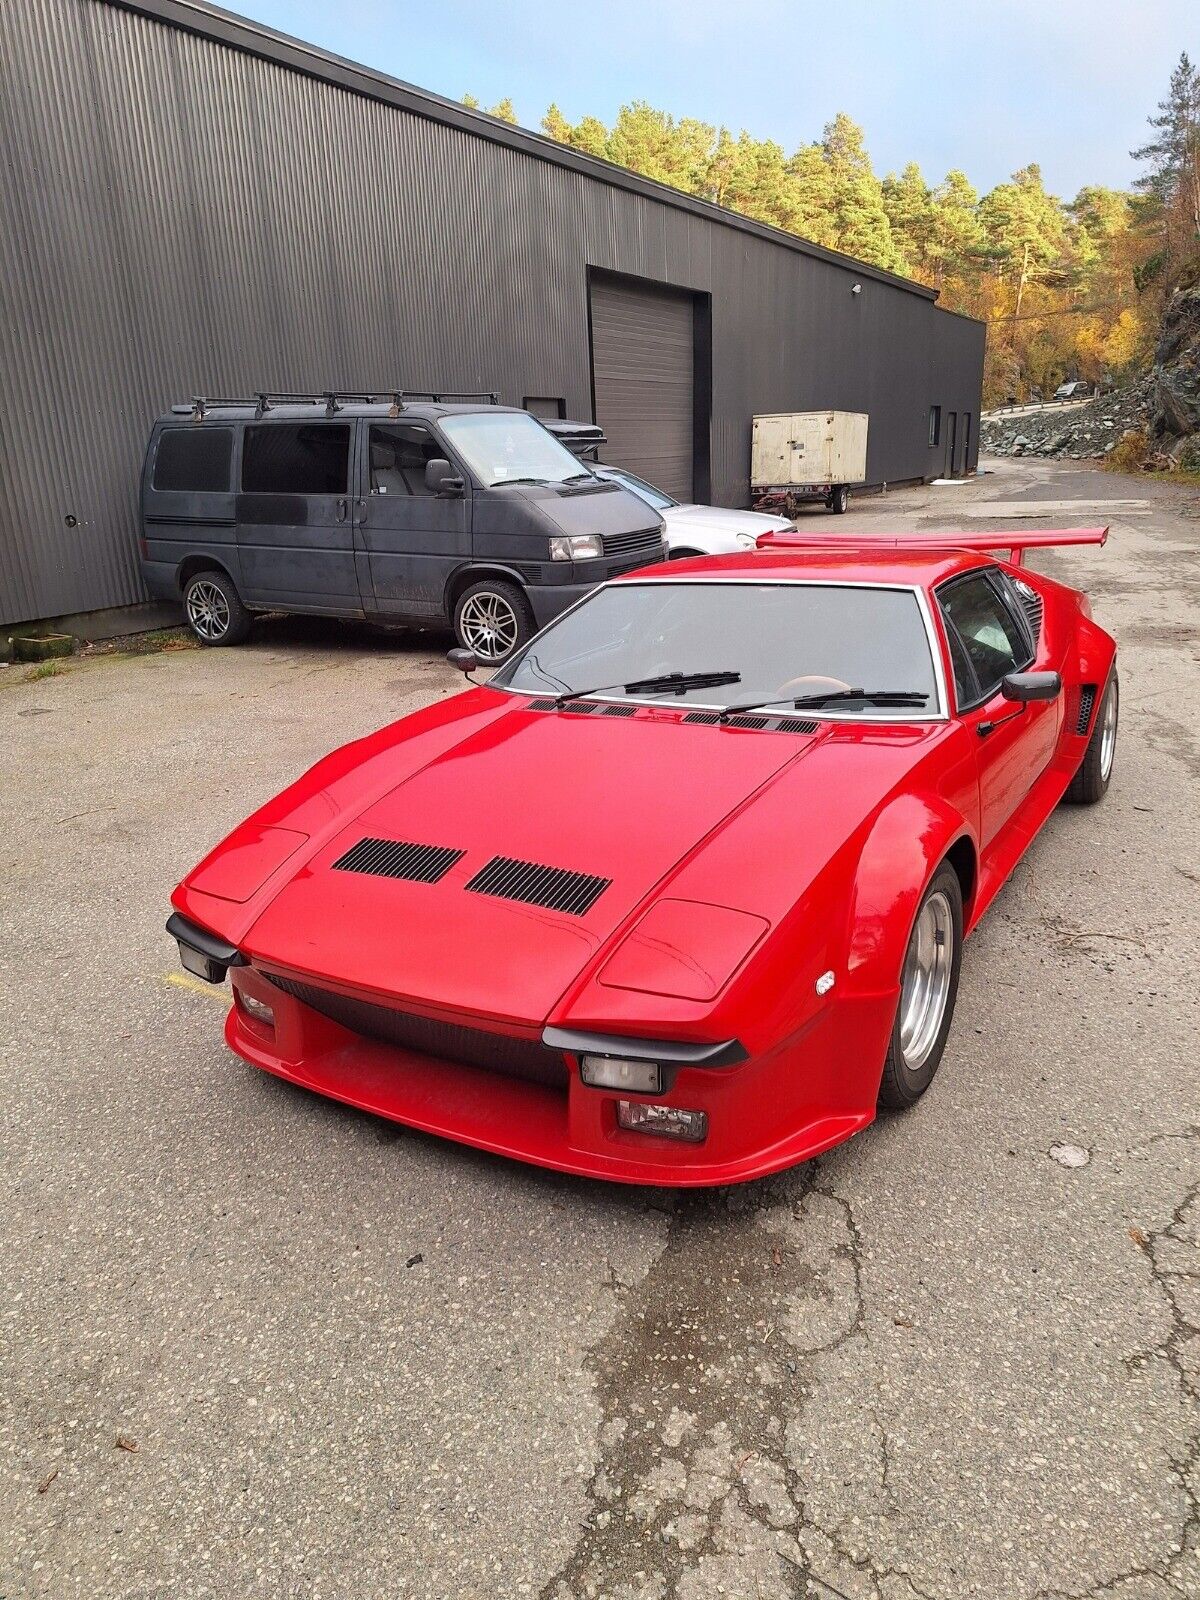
[(1174, 152)]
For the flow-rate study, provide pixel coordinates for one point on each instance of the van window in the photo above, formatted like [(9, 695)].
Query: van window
[(296, 458), (398, 456), (194, 460)]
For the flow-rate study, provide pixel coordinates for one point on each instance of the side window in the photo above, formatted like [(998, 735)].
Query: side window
[(994, 640), (966, 690), (398, 455), (296, 458), (194, 460)]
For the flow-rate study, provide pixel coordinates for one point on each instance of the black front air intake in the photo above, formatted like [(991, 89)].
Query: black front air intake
[(393, 858), (556, 888), (445, 1041)]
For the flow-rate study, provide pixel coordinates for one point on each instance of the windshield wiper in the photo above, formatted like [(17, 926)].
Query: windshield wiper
[(665, 683), (499, 483), (875, 697)]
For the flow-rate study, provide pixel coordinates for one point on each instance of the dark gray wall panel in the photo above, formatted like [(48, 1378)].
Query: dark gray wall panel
[(180, 215)]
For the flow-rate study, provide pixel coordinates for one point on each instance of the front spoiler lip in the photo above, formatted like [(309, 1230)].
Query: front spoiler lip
[(218, 951), (724, 1053)]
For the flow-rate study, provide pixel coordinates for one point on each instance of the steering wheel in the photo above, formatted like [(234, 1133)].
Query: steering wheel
[(811, 678)]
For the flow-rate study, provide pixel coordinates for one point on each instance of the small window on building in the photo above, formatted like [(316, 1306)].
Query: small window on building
[(296, 458), (398, 457), (551, 408), (194, 460), (935, 425)]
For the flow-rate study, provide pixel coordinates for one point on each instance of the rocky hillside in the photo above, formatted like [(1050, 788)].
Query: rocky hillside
[(1156, 420)]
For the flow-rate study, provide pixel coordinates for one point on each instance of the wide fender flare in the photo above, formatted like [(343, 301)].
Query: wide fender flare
[(906, 844)]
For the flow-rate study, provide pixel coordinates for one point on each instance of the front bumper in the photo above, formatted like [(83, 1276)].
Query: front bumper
[(764, 1114)]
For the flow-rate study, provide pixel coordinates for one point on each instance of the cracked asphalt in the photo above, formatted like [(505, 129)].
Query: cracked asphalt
[(256, 1344)]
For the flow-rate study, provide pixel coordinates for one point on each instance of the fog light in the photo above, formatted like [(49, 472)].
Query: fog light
[(611, 1072), (258, 1009), (206, 967), (669, 1122)]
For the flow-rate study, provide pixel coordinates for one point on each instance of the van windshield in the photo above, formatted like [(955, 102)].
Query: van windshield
[(510, 447)]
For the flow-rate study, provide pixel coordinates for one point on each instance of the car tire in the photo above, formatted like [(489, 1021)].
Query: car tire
[(493, 619), (1091, 781), (928, 989), (838, 500), (213, 608)]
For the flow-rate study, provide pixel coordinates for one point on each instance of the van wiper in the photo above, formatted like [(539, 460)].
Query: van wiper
[(665, 683), (875, 697), (500, 482)]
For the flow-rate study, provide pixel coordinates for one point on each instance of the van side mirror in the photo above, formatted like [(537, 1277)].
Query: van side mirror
[(465, 660), (441, 478), (1027, 686)]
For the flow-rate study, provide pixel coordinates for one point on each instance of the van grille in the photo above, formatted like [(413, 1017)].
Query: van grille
[(393, 858), (646, 541), (557, 888), (445, 1041)]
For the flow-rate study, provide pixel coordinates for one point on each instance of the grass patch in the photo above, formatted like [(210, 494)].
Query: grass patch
[(47, 669)]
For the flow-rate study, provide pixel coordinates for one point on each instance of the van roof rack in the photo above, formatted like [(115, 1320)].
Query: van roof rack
[(332, 399)]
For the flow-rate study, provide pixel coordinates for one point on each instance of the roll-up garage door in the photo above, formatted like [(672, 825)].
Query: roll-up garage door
[(642, 380)]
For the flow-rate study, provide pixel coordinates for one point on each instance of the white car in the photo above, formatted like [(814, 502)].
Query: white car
[(699, 530)]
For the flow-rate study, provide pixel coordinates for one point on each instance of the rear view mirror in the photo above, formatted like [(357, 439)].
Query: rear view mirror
[(465, 660), (441, 478), (1027, 686)]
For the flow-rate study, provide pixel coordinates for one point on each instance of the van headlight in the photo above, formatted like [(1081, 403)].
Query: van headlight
[(576, 547)]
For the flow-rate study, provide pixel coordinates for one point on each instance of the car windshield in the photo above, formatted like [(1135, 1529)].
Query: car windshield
[(510, 446), (782, 639), (644, 491)]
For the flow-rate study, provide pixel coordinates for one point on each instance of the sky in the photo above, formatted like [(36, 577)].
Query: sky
[(985, 87)]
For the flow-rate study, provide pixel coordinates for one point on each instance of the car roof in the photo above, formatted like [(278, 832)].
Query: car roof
[(843, 563)]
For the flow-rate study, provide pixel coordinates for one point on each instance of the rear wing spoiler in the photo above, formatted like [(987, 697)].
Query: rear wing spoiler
[(1015, 544)]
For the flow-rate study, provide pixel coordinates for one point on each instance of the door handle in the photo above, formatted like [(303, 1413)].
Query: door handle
[(341, 509)]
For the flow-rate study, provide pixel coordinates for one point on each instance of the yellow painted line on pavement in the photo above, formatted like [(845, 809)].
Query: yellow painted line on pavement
[(184, 980)]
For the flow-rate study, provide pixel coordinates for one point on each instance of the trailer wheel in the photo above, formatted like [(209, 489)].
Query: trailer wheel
[(839, 499)]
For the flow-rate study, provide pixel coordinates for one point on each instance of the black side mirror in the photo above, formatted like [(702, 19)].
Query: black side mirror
[(441, 478), (465, 660), (1027, 686)]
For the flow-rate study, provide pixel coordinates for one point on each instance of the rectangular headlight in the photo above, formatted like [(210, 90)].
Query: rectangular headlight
[(576, 547), (612, 1072), (669, 1122)]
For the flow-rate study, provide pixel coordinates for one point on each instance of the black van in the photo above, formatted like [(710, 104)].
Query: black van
[(421, 510)]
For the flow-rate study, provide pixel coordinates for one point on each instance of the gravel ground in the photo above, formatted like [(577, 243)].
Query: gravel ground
[(255, 1344)]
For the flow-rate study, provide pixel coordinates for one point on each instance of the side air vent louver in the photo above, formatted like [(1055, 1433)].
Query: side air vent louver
[(1087, 699), (392, 858), (557, 888), (1032, 605)]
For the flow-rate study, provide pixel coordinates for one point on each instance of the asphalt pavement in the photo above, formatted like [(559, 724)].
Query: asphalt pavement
[(254, 1344)]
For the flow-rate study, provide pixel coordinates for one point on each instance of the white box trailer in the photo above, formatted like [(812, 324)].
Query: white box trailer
[(799, 456)]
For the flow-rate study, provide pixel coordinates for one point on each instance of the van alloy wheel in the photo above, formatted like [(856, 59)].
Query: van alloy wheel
[(489, 625), (207, 610)]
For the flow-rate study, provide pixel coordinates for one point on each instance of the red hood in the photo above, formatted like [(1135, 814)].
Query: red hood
[(627, 799)]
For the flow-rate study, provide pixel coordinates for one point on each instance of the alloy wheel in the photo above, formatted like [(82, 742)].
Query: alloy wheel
[(1108, 733), (489, 626), (207, 610), (925, 987)]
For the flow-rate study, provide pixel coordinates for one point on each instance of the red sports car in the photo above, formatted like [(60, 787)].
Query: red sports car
[(679, 896)]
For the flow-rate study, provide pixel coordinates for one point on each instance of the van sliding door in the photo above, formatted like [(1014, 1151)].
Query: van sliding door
[(295, 531)]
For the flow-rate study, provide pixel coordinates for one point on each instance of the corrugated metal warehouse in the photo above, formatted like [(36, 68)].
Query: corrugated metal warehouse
[(190, 203)]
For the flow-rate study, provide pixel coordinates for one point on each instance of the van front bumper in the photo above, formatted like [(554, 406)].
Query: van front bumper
[(549, 600)]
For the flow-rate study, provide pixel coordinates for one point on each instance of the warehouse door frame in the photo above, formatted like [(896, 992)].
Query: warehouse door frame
[(702, 370)]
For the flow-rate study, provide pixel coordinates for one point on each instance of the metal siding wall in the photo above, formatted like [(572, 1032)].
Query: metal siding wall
[(180, 216)]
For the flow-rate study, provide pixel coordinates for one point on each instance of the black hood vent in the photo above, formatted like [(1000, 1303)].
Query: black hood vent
[(554, 887), (620, 711), (772, 724), (796, 725), (393, 858)]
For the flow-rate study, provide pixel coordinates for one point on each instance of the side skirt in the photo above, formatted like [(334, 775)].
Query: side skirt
[(1015, 837)]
